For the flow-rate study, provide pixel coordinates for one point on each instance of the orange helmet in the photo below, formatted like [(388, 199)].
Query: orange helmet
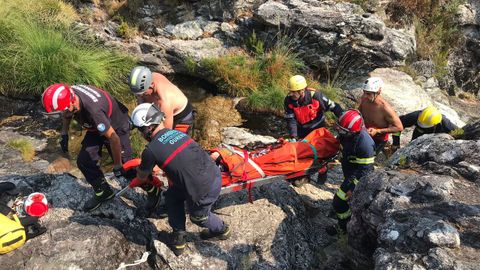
[(56, 98)]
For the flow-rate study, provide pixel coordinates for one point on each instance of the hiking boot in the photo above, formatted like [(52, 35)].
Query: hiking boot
[(154, 196), (333, 230), (300, 182), (104, 194), (222, 235), (178, 243)]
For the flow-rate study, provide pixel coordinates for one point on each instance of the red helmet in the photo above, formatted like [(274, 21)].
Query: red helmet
[(57, 97), (36, 204), (351, 121)]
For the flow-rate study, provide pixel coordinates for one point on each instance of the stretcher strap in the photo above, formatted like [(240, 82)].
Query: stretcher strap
[(254, 165), (315, 155)]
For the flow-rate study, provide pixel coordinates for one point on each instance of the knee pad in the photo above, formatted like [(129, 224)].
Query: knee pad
[(199, 220)]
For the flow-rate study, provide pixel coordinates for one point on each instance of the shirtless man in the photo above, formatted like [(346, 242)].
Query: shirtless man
[(380, 118), (153, 87)]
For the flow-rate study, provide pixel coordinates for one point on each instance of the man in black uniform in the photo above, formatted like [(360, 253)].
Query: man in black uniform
[(358, 154), (195, 177), (305, 108), (107, 123), (426, 121)]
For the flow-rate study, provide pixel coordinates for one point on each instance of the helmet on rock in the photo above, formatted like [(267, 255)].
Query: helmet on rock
[(373, 84), (57, 98), (297, 83), (429, 117), (350, 121), (36, 205), (140, 79), (147, 114)]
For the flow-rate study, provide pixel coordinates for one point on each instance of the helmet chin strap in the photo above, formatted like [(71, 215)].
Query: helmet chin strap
[(147, 134)]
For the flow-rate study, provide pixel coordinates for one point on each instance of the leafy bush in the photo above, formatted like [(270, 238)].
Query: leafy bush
[(39, 46), (435, 28), (125, 30), (261, 74)]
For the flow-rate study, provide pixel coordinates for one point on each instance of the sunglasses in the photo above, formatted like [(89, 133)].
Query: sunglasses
[(55, 114)]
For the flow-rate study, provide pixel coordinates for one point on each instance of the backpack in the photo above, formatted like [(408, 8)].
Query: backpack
[(12, 234)]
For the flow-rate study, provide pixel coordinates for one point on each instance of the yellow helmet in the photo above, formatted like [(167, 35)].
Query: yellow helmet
[(297, 83), (429, 117)]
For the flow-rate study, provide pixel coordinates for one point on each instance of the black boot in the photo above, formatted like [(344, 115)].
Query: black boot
[(154, 196), (224, 234), (102, 194), (178, 243)]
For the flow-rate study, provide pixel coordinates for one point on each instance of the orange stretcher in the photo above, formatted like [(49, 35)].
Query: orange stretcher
[(280, 161), (283, 160)]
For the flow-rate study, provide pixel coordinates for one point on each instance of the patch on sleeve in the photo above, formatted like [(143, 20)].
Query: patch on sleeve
[(101, 127)]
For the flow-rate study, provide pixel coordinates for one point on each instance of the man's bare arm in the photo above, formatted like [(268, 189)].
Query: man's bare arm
[(394, 122), (115, 146)]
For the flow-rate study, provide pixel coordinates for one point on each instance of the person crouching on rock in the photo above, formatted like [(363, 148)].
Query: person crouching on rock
[(194, 176), (358, 154), (107, 123)]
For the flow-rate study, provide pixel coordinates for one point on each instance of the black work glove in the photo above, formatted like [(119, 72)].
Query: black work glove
[(119, 172), (64, 143)]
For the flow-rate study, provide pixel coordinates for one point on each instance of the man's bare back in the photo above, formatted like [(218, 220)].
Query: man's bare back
[(167, 96)]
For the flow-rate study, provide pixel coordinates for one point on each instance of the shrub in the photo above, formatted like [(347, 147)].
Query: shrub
[(25, 147), (457, 133), (36, 51), (261, 74), (126, 31), (435, 28)]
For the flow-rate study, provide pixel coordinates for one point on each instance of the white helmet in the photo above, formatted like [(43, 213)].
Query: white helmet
[(147, 114), (373, 84)]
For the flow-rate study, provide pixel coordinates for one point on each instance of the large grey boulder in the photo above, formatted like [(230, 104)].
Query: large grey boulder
[(463, 63), (422, 212), (337, 33)]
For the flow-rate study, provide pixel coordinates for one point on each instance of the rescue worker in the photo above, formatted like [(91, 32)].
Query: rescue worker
[(380, 118), (305, 108), (358, 154), (107, 123), (426, 121), (153, 87), (194, 176)]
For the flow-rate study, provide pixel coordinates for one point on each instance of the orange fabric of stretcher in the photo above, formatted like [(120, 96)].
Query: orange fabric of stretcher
[(289, 157)]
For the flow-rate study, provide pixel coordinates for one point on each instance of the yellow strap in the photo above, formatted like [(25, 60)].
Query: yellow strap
[(341, 194), (99, 193), (355, 181), (364, 161), (345, 214), (15, 217)]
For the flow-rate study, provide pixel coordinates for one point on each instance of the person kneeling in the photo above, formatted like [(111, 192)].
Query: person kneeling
[(195, 178)]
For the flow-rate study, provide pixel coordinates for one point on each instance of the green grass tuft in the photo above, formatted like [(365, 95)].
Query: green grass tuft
[(36, 51), (25, 147), (261, 74)]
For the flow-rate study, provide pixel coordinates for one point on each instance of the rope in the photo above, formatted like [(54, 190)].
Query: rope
[(137, 262)]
